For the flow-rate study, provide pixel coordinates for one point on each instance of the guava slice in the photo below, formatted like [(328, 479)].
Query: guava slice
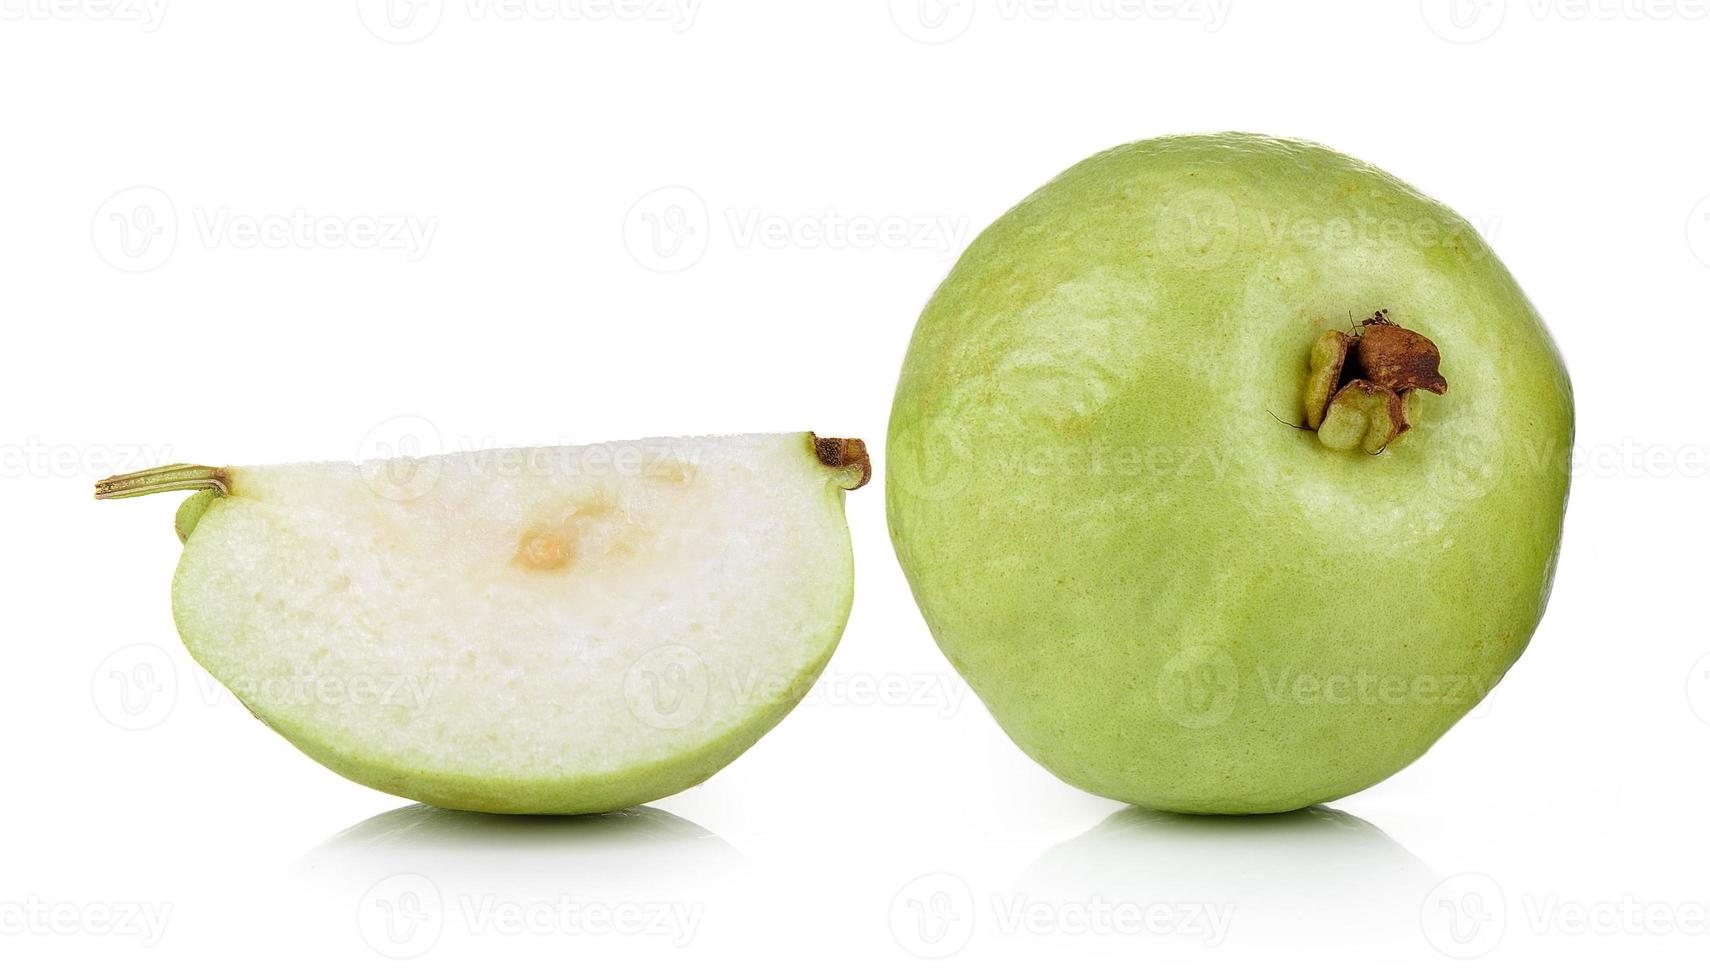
[(560, 630)]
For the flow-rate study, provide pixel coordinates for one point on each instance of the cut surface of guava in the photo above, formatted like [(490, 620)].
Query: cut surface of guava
[(560, 630)]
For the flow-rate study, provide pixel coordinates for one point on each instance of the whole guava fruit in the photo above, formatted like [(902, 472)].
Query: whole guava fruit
[(1230, 472)]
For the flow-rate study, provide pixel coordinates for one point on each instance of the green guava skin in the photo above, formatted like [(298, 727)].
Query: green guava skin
[(1164, 593)]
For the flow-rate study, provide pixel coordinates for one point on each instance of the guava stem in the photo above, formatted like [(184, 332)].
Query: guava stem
[(164, 479)]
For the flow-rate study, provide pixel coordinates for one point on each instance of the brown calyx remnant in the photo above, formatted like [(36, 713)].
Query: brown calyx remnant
[(1357, 382), (845, 454)]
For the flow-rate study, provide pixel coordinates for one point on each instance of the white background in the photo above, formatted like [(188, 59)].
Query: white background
[(579, 222)]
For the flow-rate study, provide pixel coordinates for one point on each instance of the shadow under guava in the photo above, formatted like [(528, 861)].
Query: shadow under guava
[(639, 848), (1312, 878)]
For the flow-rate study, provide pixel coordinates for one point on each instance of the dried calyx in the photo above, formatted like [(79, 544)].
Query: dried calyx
[(850, 454), (1357, 388)]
